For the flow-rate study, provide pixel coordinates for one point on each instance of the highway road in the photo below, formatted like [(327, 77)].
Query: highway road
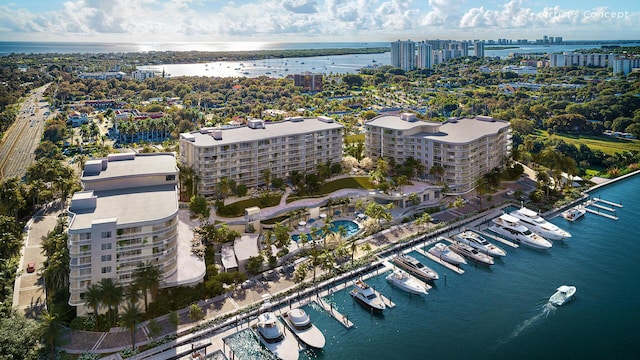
[(23, 137)]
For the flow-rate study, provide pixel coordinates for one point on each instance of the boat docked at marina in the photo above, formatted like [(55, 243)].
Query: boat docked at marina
[(365, 295), (403, 281), (478, 242), (563, 294), (574, 214), (272, 335), (536, 223), (509, 226), (300, 324), (414, 267), (471, 253), (442, 252)]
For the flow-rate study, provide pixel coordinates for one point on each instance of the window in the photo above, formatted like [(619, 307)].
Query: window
[(106, 234), (85, 236), (84, 272), (170, 178), (106, 269), (106, 246), (106, 258)]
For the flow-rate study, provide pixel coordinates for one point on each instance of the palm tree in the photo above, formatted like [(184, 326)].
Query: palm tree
[(129, 318), (147, 278), (49, 331), (112, 296), (93, 298)]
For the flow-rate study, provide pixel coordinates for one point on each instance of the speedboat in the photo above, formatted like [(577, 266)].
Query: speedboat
[(406, 282), (300, 324), (272, 336), (471, 253), (479, 242), (366, 296), (574, 214), (442, 252), (563, 294), (536, 223), (509, 226), (415, 267)]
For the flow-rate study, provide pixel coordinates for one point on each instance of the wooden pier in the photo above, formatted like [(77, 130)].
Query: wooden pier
[(449, 266), (499, 238), (342, 319)]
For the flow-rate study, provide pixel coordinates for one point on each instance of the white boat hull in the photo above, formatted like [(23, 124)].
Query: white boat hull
[(442, 252), (563, 294), (522, 239), (310, 335), (406, 282), (489, 249)]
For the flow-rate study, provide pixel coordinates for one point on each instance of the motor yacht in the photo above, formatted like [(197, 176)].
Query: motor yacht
[(471, 253), (536, 223), (563, 294), (272, 336), (300, 324), (479, 242), (415, 267), (509, 226), (442, 252), (574, 214), (406, 282), (365, 295)]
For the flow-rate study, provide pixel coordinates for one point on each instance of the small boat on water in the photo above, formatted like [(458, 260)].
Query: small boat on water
[(563, 294), (479, 242), (574, 214), (365, 295), (509, 226), (536, 223), (300, 324), (406, 282), (414, 267), (442, 252), (272, 336), (471, 253)]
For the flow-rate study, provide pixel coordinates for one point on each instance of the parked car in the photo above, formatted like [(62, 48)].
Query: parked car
[(31, 267)]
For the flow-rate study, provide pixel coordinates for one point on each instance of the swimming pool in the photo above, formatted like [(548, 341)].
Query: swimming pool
[(351, 227)]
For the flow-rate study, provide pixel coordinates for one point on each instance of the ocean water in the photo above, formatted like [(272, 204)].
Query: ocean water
[(502, 312)]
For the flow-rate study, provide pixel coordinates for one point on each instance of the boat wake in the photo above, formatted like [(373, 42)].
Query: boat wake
[(544, 311)]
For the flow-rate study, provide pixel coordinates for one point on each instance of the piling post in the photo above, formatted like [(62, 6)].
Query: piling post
[(445, 279)]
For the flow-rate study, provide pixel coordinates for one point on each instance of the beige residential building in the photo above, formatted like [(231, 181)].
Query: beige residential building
[(465, 148), (242, 154), (127, 216)]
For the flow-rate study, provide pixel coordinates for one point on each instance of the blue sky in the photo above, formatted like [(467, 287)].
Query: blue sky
[(314, 20)]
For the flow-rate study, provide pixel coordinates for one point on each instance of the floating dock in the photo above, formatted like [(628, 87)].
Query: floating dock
[(342, 319), (449, 266), (612, 217), (607, 202), (602, 207)]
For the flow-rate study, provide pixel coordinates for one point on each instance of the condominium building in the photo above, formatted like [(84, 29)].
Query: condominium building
[(403, 54), (425, 56), (579, 59), (478, 49), (243, 154), (127, 216), (464, 148), (308, 81)]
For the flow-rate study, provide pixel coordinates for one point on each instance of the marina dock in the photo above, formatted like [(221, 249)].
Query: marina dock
[(342, 319), (607, 202), (498, 238), (593, 202), (612, 217), (449, 266)]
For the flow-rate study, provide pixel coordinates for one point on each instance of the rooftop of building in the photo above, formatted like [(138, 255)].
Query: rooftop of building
[(454, 130), (127, 206), (128, 164), (293, 126)]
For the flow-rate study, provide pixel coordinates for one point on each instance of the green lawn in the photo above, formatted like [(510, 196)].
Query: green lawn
[(608, 146), (355, 182), (237, 208)]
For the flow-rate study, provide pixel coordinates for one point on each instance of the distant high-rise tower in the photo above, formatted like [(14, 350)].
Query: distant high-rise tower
[(425, 55), (558, 40), (478, 49), (403, 54)]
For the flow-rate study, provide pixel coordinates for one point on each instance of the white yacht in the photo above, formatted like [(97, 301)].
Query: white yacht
[(574, 214), (511, 227), (300, 324), (563, 294), (471, 253), (366, 296), (272, 336), (442, 252), (477, 241), (415, 267), (406, 282), (536, 223)]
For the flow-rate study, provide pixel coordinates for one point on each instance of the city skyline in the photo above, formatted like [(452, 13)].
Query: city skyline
[(313, 20)]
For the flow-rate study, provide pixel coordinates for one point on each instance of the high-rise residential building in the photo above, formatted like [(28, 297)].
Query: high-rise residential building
[(558, 40), (425, 55), (308, 81), (463, 148), (403, 55), (478, 49), (127, 217), (243, 154)]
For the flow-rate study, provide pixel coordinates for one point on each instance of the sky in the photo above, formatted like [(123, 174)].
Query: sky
[(314, 20)]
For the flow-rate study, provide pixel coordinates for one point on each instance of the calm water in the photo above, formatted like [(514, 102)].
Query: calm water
[(502, 312)]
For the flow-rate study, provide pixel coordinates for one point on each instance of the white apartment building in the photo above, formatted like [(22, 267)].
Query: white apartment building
[(142, 75), (127, 216), (424, 56), (403, 54), (242, 154), (579, 59), (465, 148), (625, 65)]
